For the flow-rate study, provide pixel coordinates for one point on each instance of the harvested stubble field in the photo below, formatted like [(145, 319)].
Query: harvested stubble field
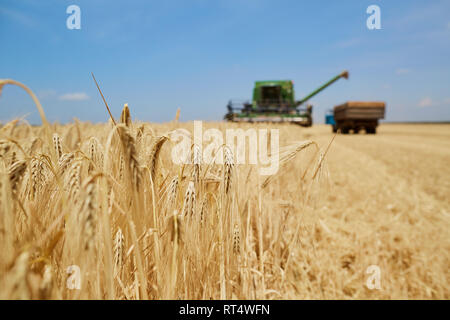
[(110, 200)]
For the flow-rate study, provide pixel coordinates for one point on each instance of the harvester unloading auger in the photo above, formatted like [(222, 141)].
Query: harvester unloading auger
[(274, 101)]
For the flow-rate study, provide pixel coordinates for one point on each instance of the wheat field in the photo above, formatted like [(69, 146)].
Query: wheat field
[(106, 200)]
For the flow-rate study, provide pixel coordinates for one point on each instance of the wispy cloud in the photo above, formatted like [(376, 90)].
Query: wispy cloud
[(424, 24), (75, 96), (417, 15), (348, 43), (17, 17), (425, 102), (402, 71), (428, 102), (44, 94)]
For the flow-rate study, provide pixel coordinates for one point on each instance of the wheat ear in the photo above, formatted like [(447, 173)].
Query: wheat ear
[(125, 116), (157, 145), (130, 155), (189, 200)]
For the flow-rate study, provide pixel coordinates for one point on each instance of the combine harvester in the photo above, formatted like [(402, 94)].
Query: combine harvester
[(356, 115), (274, 101)]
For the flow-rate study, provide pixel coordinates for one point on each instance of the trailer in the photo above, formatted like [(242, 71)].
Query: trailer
[(358, 115)]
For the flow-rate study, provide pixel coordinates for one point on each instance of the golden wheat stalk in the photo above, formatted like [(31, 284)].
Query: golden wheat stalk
[(204, 209), (153, 158), (197, 160), (37, 176), (74, 179), (228, 169), (173, 192), (65, 162), (96, 154), (57, 145), (130, 155), (177, 116), (5, 147), (322, 157), (175, 228), (3, 82), (89, 214), (45, 123), (17, 286), (104, 100), (236, 239), (16, 172), (125, 116), (46, 285), (189, 200), (119, 248), (289, 156)]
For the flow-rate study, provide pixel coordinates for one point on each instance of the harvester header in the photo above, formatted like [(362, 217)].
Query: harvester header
[(274, 101)]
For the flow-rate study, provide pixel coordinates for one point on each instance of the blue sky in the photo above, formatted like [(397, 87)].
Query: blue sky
[(158, 56)]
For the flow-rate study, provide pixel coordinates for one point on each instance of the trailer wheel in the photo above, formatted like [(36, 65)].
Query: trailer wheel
[(371, 130), (345, 130), (334, 129), (355, 130)]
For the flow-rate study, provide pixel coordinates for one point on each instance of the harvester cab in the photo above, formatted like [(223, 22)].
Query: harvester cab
[(274, 101)]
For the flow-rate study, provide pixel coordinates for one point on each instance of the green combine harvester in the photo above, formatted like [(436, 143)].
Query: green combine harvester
[(274, 101)]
